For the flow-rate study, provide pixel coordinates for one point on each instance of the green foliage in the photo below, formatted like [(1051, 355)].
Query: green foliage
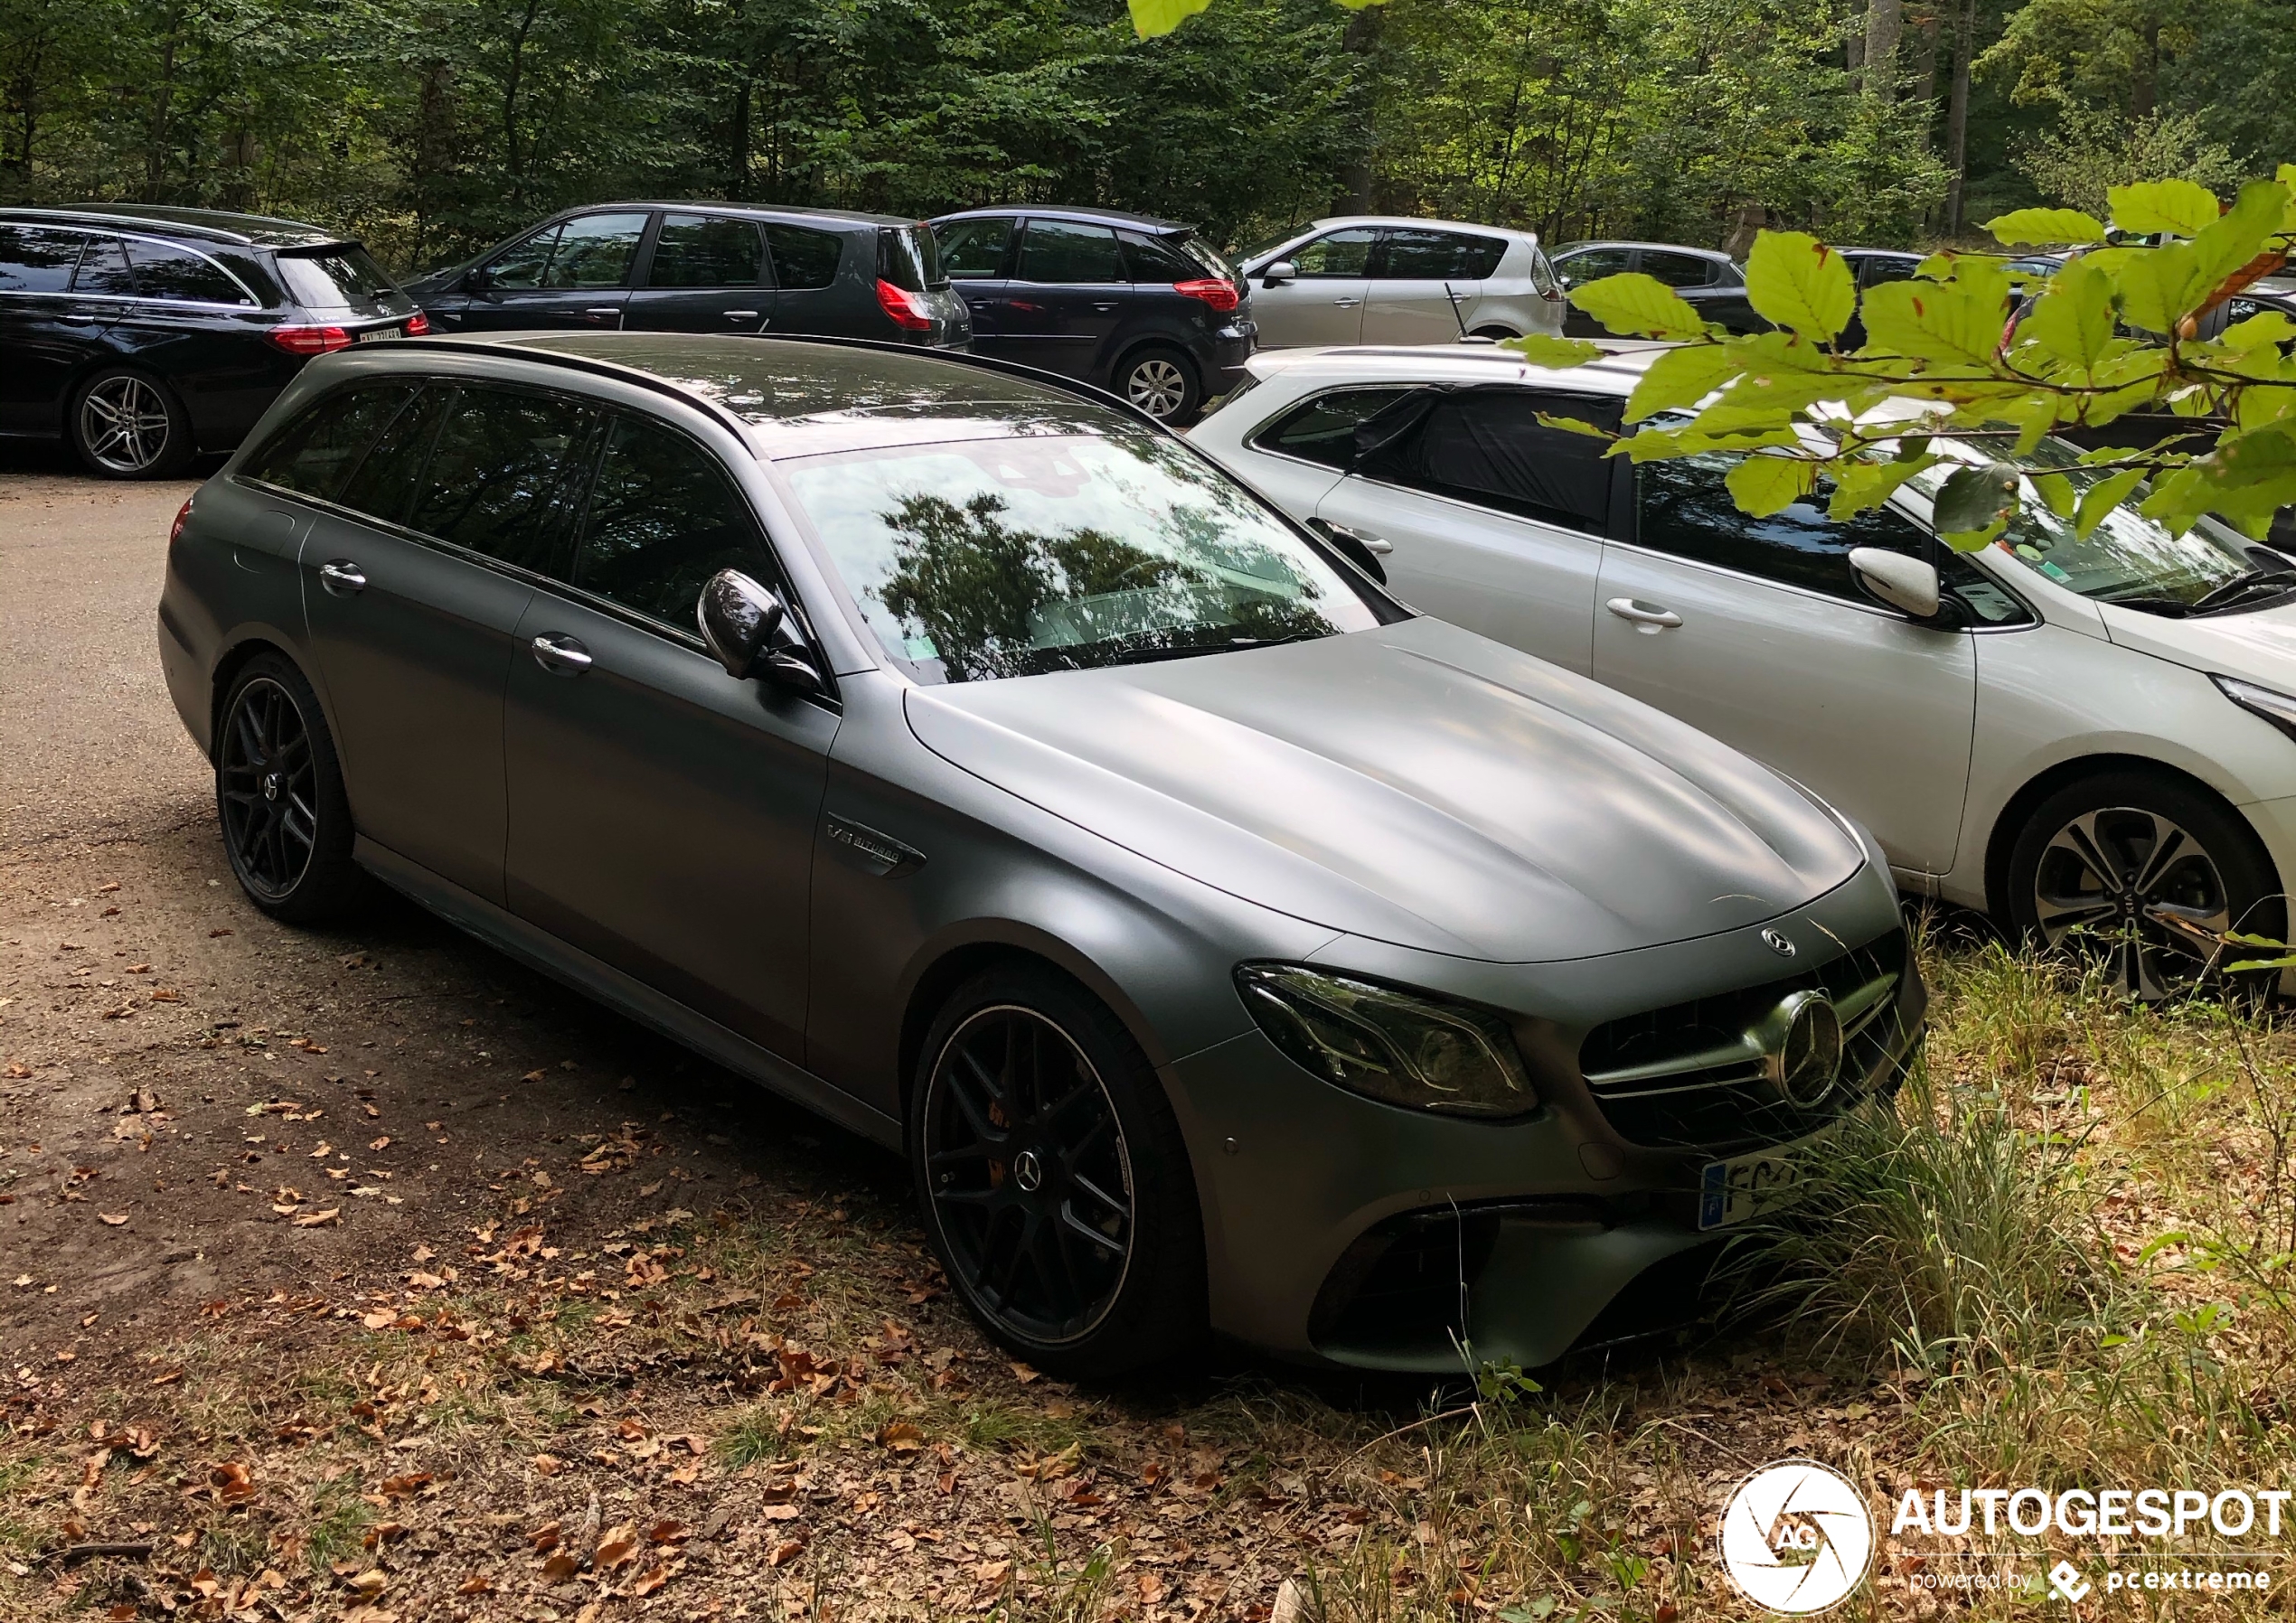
[(1639, 305), (1796, 282)]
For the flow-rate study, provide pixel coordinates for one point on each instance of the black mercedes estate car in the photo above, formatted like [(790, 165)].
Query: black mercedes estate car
[(1138, 306), (145, 335), (706, 267)]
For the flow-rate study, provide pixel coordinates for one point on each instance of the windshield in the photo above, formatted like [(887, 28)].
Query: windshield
[(974, 560), (335, 278), (1266, 243), (2127, 559)]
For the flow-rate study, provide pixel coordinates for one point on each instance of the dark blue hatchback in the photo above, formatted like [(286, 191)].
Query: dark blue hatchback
[(1136, 305)]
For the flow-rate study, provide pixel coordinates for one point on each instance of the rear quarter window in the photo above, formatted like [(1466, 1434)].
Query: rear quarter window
[(314, 452), (801, 257)]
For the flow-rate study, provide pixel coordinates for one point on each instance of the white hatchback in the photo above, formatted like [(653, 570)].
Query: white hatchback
[(1369, 279), (2095, 736)]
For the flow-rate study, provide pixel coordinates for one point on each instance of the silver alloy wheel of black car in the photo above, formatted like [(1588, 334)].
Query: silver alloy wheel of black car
[(1157, 383), (267, 787), (2141, 888), (125, 425), (1029, 1174)]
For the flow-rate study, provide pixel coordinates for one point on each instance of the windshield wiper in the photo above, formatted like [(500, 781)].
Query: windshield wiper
[(1151, 653), (2240, 585)]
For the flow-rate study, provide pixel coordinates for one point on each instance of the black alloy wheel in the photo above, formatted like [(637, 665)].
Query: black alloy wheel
[(1055, 1178), (278, 794), (2147, 875)]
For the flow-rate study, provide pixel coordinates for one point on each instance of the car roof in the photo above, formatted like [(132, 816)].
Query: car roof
[(1141, 222), (203, 225), (718, 205), (1616, 373), (1669, 248), (1406, 223)]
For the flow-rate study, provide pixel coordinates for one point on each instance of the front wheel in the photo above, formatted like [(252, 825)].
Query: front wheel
[(126, 425), (2146, 874), (1162, 382), (279, 796), (1054, 1178)]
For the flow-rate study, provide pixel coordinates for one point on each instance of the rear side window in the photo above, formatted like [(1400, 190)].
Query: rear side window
[(801, 257), (662, 519), (1323, 430), (103, 269), (382, 485), (907, 257), (164, 271), (973, 250), (1677, 270), (1441, 255), (1061, 252), (312, 454), (35, 262), (1155, 259), (1490, 448), (706, 250), (497, 481)]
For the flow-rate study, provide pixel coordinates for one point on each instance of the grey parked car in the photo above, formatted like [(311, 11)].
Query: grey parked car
[(963, 755), (1364, 279)]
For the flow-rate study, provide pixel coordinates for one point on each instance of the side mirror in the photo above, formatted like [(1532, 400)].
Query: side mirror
[(1278, 274), (748, 628), (475, 280), (1906, 584)]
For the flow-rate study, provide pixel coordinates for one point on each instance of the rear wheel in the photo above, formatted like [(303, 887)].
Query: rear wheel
[(128, 425), (2146, 874), (1160, 381), (1054, 1178), (278, 795), (1500, 333)]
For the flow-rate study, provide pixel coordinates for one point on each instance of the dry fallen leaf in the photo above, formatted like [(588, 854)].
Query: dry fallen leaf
[(549, 1465), (115, 1218), (784, 1553), (902, 1438), (561, 1567), (316, 1219), (649, 1581), (477, 1584)]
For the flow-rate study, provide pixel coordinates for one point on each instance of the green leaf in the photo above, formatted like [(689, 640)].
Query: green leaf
[(1935, 321), (2159, 286), (1153, 17), (1572, 425), (2021, 227), (1638, 305), (1793, 280), (2230, 242), (2101, 498), (1972, 499), (2241, 964), (1541, 348), (1682, 377), (2249, 479), (2056, 491), (2180, 208), (1761, 485), (1861, 485), (2073, 322), (2269, 330)]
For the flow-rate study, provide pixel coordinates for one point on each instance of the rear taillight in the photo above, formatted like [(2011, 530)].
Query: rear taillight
[(183, 517), (906, 309), (420, 326), (310, 341), (1218, 293)]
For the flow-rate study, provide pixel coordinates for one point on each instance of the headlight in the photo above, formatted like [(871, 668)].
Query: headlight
[(1389, 1045), (2275, 708)]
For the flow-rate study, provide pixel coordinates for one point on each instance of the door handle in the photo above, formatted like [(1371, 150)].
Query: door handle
[(1647, 618), (1104, 309), (741, 316), (341, 577), (562, 655), (605, 312), (1347, 303), (1371, 543)]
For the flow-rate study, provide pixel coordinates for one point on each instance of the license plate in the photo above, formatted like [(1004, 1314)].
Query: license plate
[(1747, 1185), (377, 335)]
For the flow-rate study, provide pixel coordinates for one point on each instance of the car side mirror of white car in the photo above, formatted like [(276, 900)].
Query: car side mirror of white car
[(1907, 584), (1278, 274)]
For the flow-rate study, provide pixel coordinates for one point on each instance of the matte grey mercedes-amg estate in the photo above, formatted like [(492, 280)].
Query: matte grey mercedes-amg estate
[(960, 753)]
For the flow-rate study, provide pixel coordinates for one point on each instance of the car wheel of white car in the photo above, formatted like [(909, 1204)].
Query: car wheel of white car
[(2144, 873)]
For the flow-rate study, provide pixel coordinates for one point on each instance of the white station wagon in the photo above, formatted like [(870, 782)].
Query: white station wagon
[(2092, 735)]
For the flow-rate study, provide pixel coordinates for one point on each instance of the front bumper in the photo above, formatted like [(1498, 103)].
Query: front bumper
[(1341, 1231)]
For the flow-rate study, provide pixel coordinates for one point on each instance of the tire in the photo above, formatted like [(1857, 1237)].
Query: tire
[(1160, 381), (2112, 864), (128, 425), (1053, 1178), (1500, 334), (279, 798)]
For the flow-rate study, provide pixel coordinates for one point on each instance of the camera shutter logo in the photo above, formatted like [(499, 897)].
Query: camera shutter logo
[(1796, 1537)]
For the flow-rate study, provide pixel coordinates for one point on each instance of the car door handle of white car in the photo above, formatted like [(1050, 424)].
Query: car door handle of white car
[(341, 577), (562, 655), (1646, 616)]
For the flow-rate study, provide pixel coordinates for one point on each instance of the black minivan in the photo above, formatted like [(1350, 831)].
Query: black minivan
[(706, 267), (145, 335), (1139, 306)]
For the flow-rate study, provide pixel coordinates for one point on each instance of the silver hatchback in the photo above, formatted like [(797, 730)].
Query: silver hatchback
[(1364, 279)]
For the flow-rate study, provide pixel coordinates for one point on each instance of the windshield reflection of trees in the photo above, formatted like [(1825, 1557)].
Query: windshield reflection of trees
[(1000, 600)]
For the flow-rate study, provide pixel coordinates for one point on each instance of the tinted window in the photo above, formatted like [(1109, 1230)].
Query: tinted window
[(595, 250), (1683, 508), (1440, 255), (1340, 254), (495, 481), (164, 271), (335, 277), (1153, 259), (37, 261), (103, 269), (907, 257), (1062, 251), (314, 452), (382, 485), (706, 250), (803, 257), (1875, 271), (973, 250), (1490, 448), (1323, 430), (1677, 270), (524, 264), (1592, 265), (662, 519)]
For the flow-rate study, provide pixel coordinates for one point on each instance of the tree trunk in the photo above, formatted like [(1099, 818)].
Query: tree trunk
[(737, 143), (1884, 25), (1361, 40), (2145, 84), (1957, 119)]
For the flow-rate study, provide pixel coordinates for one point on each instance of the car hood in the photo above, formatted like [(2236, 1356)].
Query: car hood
[(1416, 784), (2259, 646)]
